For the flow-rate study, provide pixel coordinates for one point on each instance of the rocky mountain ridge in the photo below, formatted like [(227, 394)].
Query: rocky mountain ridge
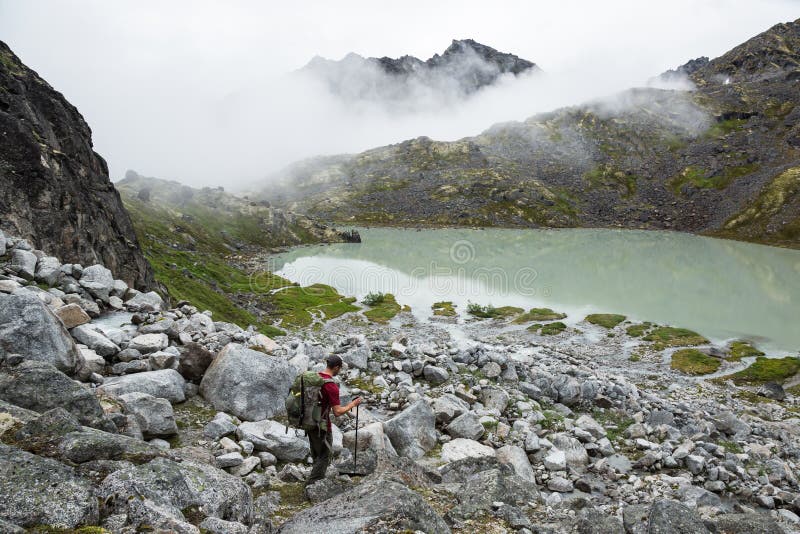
[(54, 188), (722, 159), (465, 67)]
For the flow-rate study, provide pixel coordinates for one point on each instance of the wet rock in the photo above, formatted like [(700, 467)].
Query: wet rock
[(466, 425), (164, 384), (378, 505), (194, 361), (271, 436), (154, 415), (246, 383), (412, 432), (29, 328), (41, 491)]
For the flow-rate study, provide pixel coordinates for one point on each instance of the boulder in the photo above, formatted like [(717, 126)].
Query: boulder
[(40, 491), (89, 444), (163, 384), (750, 523), (568, 389), (147, 343), (772, 390), (48, 271), (494, 399), (447, 407), (218, 428), (460, 448), (357, 357), (180, 485), (376, 504), (467, 425), (576, 456), (485, 488), (2, 243), (435, 375), (95, 339), (214, 525), (98, 281), (72, 315), (593, 521), (246, 383), (40, 387), (89, 362), (412, 432), (23, 262), (194, 361), (145, 302), (271, 436), (671, 517), (155, 416), (517, 460), (262, 343), (29, 328)]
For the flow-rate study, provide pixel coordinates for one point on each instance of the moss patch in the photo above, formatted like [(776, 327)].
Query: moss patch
[(638, 330), (444, 309), (668, 336), (694, 362), (490, 312), (767, 370), (606, 320), (539, 314), (295, 305), (742, 349), (549, 329), (384, 310)]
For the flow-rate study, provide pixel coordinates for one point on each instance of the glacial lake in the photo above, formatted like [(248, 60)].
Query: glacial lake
[(722, 289)]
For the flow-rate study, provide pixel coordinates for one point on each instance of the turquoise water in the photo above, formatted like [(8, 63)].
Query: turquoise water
[(722, 289)]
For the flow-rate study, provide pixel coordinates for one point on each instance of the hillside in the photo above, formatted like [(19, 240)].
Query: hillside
[(199, 242), (54, 188), (722, 159)]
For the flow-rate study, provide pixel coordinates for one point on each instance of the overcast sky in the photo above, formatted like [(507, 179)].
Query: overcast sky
[(196, 91)]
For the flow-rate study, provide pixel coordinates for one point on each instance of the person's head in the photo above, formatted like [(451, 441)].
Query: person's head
[(334, 364)]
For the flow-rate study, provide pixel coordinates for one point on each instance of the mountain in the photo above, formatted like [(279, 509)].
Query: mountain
[(722, 159), (54, 188), (201, 243), (465, 67)]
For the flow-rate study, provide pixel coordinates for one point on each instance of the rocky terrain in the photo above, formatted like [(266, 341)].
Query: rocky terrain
[(54, 189), (465, 67), (119, 412), (721, 159)]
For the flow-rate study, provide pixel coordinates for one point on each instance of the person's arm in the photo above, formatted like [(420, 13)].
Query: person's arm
[(341, 410)]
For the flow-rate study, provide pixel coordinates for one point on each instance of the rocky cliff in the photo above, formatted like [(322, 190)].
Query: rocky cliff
[(54, 188), (720, 159)]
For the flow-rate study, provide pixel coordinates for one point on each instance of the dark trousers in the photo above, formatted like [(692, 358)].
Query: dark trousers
[(321, 452)]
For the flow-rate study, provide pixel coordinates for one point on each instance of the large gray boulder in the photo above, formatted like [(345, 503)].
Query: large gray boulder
[(575, 455), (467, 425), (671, 517), (145, 302), (40, 491), (517, 460), (377, 504), (40, 387), (29, 328), (95, 339), (163, 384), (2, 243), (271, 436), (485, 488), (48, 271), (147, 343), (246, 383), (98, 281), (23, 262), (179, 485), (155, 416), (412, 432), (448, 407)]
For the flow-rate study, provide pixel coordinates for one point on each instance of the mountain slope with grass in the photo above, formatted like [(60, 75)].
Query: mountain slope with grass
[(721, 159), (200, 241)]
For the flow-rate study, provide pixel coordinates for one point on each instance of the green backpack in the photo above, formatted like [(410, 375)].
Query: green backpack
[(304, 403)]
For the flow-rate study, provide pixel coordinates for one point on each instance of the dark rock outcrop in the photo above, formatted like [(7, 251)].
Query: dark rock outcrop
[(54, 188)]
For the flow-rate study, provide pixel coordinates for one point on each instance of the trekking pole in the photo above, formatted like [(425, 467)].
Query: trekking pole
[(355, 453)]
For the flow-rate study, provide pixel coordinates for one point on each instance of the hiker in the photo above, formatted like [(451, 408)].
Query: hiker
[(321, 440)]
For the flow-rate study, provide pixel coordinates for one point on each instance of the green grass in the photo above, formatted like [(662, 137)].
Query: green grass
[(606, 320), (731, 446), (703, 179), (767, 370), (295, 305), (383, 311), (539, 314), (742, 349), (549, 329), (668, 336), (608, 176), (490, 312), (373, 299), (694, 362), (444, 309), (638, 330), (723, 128), (615, 422)]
